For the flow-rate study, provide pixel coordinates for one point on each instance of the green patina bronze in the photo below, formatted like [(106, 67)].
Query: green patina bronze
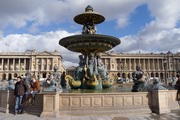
[(91, 72)]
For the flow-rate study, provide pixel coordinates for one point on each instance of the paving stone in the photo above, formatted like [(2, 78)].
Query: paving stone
[(174, 115)]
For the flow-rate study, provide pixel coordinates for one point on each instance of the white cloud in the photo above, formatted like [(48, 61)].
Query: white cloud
[(159, 35), (69, 64), (18, 12), (48, 41), (166, 13)]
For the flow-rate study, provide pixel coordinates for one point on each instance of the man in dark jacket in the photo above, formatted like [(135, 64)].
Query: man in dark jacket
[(19, 91)]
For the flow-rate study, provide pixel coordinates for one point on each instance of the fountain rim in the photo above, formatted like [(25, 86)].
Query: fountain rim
[(114, 41), (100, 18)]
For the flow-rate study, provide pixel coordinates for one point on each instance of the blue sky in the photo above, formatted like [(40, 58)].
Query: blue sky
[(26, 24), (137, 21)]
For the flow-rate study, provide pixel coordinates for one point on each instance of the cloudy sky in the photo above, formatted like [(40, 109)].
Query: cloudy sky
[(142, 25)]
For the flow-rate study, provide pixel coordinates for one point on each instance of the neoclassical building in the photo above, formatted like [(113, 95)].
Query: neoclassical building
[(163, 65), (38, 63)]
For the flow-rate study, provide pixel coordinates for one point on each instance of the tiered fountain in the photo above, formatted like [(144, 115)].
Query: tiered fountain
[(91, 72)]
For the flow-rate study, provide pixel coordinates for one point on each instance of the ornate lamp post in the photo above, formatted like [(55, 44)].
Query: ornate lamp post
[(165, 68)]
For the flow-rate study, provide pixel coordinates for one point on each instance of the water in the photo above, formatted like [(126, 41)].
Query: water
[(115, 88)]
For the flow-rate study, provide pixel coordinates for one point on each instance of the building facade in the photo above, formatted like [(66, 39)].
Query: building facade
[(163, 65), (42, 64)]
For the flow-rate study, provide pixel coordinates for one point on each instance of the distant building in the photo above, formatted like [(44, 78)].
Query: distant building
[(40, 64), (156, 65)]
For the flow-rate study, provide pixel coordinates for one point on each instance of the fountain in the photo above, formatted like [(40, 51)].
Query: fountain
[(91, 72)]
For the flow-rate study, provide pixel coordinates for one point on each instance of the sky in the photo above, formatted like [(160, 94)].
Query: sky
[(144, 26)]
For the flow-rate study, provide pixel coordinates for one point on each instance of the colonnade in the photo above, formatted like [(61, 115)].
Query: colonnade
[(41, 63), (156, 65)]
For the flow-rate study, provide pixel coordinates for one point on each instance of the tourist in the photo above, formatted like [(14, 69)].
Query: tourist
[(19, 92), (177, 87), (34, 88), (63, 81)]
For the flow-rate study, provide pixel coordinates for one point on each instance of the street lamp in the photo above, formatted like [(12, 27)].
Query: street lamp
[(165, 68)]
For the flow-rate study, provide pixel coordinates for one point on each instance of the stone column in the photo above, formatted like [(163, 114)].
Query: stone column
[(47, 64), (153, 65), (8, 64), (25, 64), (13, 64), (52, 63), (159, 103), (41, 63), (162, 62), (149, 62), (2, 64), (130, 64), (19, 65), (158, 65), (144, 64), (134, 64)]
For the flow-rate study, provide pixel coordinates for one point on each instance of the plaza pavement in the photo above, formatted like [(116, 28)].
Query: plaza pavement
[(174, 115)]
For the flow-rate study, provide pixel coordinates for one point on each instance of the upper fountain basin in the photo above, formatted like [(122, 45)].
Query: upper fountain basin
[(87, 43)]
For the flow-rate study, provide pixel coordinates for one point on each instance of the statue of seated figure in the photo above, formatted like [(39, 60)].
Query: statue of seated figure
[(137, 75), (89, 28), (96, 66), (11, 85), (101, 69), (52, 87), (79, 73)]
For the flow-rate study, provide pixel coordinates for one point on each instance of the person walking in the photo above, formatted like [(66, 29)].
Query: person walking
[(19, 92), (177, 87), (63, 81)]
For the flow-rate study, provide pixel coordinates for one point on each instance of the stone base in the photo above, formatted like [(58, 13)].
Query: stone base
[(51, 114), (51, 104), (104, 111), (161, 111), (4, 110), (160, 101)]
